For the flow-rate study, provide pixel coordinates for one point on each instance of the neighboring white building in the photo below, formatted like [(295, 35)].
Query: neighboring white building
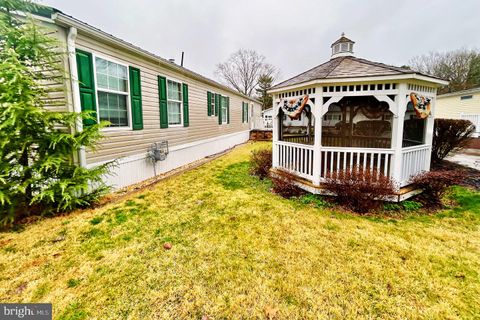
[(463, 104)]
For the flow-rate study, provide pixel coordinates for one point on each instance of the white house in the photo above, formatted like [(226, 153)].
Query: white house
[(374, 117), (463, 104)]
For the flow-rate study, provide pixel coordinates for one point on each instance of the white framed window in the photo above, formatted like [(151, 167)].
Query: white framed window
[(212, 104), (112, 89), (223, 105), (245, 112), (174, 103)]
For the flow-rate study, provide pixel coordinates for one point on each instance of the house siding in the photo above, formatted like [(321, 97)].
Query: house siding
[(124, 143), (451, 107)]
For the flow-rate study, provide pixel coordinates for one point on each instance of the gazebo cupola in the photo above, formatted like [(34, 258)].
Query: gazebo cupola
[(342, 47)]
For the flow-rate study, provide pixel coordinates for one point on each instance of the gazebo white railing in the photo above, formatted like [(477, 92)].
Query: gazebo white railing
[(296, 158), (414, 160), (398, 157)]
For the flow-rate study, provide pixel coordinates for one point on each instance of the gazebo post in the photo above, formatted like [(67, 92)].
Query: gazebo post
[(429, 134), (397, 134), (317, 145), (275, 129)]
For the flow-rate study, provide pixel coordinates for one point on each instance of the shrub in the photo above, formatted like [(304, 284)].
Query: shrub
[(38, 173), (449, 135), (261, 162), (358, 190), (435, 183), (283, 184)]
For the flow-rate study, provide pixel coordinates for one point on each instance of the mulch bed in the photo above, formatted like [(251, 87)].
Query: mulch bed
[(473, 175)]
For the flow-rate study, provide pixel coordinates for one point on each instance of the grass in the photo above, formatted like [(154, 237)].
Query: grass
[(240, 252)]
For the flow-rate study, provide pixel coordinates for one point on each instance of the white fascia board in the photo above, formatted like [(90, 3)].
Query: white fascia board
[(333, 81)]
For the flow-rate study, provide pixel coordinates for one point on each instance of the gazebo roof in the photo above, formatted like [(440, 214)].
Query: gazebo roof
[(346, 67)]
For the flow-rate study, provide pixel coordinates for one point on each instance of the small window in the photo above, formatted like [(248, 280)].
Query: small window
[(112, 92), (344, 46), (245, 112), (212, 104), (466, 97), (174, 102)]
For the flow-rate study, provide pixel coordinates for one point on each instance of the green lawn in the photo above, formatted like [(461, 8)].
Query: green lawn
[(241, 252)]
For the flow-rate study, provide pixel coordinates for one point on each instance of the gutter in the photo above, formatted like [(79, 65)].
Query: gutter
[(77, 107)]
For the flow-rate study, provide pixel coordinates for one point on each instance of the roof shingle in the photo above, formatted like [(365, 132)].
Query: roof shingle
[(345, 67)]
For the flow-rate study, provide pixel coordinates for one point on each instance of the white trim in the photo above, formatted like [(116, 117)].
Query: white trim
[(127, 93), (338, 81)]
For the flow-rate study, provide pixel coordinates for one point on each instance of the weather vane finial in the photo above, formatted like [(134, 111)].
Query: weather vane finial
[(343, 34)]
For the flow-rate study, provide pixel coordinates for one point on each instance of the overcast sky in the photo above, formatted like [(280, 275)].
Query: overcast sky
[(292, 35)]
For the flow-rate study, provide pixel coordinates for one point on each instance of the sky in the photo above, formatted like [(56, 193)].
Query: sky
[(294, 36)]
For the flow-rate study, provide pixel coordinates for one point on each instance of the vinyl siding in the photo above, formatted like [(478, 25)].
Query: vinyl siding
[(121, 143), (451, 107)]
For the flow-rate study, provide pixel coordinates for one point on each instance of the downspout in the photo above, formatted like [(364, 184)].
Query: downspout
[(77, 107)]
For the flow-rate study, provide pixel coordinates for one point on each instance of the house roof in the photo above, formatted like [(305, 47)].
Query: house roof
[(347, 67), (460, 93), (64, 19)]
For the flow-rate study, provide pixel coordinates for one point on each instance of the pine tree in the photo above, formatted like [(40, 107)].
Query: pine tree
[(38, 173), (264, 83)]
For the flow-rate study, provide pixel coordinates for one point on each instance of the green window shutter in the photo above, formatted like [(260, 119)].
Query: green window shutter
[(87, 85), (220, 103), (209, 103), (246, 111), (162, 96), (185, 105), (243, 112), (136, 98), (228, 109)]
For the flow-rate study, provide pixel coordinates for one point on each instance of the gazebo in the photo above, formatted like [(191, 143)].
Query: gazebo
[(351, 113)]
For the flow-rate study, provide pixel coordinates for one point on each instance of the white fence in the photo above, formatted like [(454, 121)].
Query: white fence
[(414, 161), (475, 119), (334, 160), (296, 158)]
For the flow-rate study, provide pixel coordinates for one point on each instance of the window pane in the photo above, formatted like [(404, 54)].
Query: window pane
[(174, 113), (112, 83), (102, 81), (173, 91), (111, 75), (101, 65), (113, 107)]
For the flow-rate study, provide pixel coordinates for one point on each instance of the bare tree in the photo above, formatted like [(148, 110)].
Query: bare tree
[(461, 67), (243, 69)]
